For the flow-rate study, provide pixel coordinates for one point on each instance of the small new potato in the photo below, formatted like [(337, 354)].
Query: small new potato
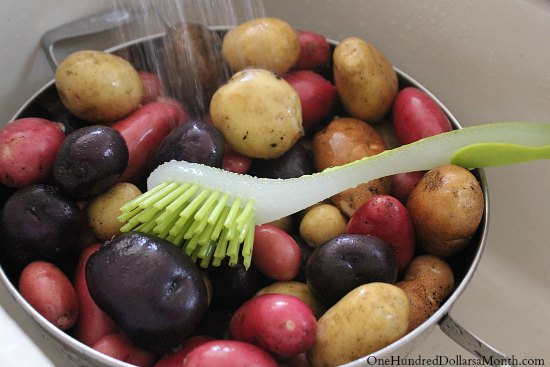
[(48, 290), (365, 320), (446, 207), (321, 223), (104, 209), (97, 86), (267, 43), (258, 113), (345, 140), (364, 78)]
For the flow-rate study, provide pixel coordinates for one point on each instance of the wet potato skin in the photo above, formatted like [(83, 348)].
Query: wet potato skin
[(97, 86), (345, 140), (446, 207)]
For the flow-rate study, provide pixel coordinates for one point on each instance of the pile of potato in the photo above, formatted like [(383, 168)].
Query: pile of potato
[(355, 272)]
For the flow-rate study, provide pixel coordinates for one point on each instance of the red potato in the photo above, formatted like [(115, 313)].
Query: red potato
[(315, 52), (276, 254), (27, 150), (144, 130), (416, 115), (92, 323), (50, 292), (151, 86), (403, 183), (385, 217), (235, 162), (228, 353), (117, 346), (176, 358), (317, 96), (279, 323)]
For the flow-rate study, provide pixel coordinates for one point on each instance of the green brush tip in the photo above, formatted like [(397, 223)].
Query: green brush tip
[(207, 225)]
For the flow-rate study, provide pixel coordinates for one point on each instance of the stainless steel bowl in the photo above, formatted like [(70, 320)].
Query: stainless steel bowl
[(45, 103)]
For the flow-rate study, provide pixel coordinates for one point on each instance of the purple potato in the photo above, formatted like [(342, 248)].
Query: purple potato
[(346, 262), (195, 142), (89, 161), (296, 162), (150, 288), (38, 223)]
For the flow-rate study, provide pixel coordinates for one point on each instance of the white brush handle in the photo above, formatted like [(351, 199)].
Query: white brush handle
[(276, 198)]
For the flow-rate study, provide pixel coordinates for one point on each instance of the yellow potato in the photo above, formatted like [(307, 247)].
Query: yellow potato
[(297, 289), (446, 207), (364, 78), (98, 87), (258, 113), (267, 43), (321, 223), (365, 320), (103, 210)]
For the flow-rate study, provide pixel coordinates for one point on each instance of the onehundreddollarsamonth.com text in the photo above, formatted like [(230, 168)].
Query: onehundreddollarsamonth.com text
[(458, 360)]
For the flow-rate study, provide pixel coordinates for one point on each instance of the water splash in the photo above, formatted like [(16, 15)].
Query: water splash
[(181, 45)]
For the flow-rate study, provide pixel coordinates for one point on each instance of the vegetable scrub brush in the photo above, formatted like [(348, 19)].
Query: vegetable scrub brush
[(211, 213)]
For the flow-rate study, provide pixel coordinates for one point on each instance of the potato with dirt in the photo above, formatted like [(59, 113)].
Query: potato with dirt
[(427, 282), (345, 140), (258, 113), (364, 78), (446, 207), (98, 87), (267, 43)]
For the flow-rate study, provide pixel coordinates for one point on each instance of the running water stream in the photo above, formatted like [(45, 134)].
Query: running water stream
[(181, 44)]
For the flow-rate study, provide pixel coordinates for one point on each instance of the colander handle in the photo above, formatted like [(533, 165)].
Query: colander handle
[(473, 343), (89, 25)]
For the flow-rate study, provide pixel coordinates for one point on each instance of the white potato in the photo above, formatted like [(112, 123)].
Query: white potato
[(268, 43), (364, 78), (258, 113), (97, 86)]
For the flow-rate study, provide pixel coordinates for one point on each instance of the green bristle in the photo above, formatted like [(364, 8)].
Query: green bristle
[(233, 213), (179, 204), (219, 224), (221, 249), (206, 208), (202, 224), (190, 210), (180, 224), (170, 197), (147, 215), (217, 211), (191, 231), (133, 204), (233, 248), (207, 255), (248, 243), (151, 200), (191, 246), (200, 221), (246, 215), (204, 236)]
